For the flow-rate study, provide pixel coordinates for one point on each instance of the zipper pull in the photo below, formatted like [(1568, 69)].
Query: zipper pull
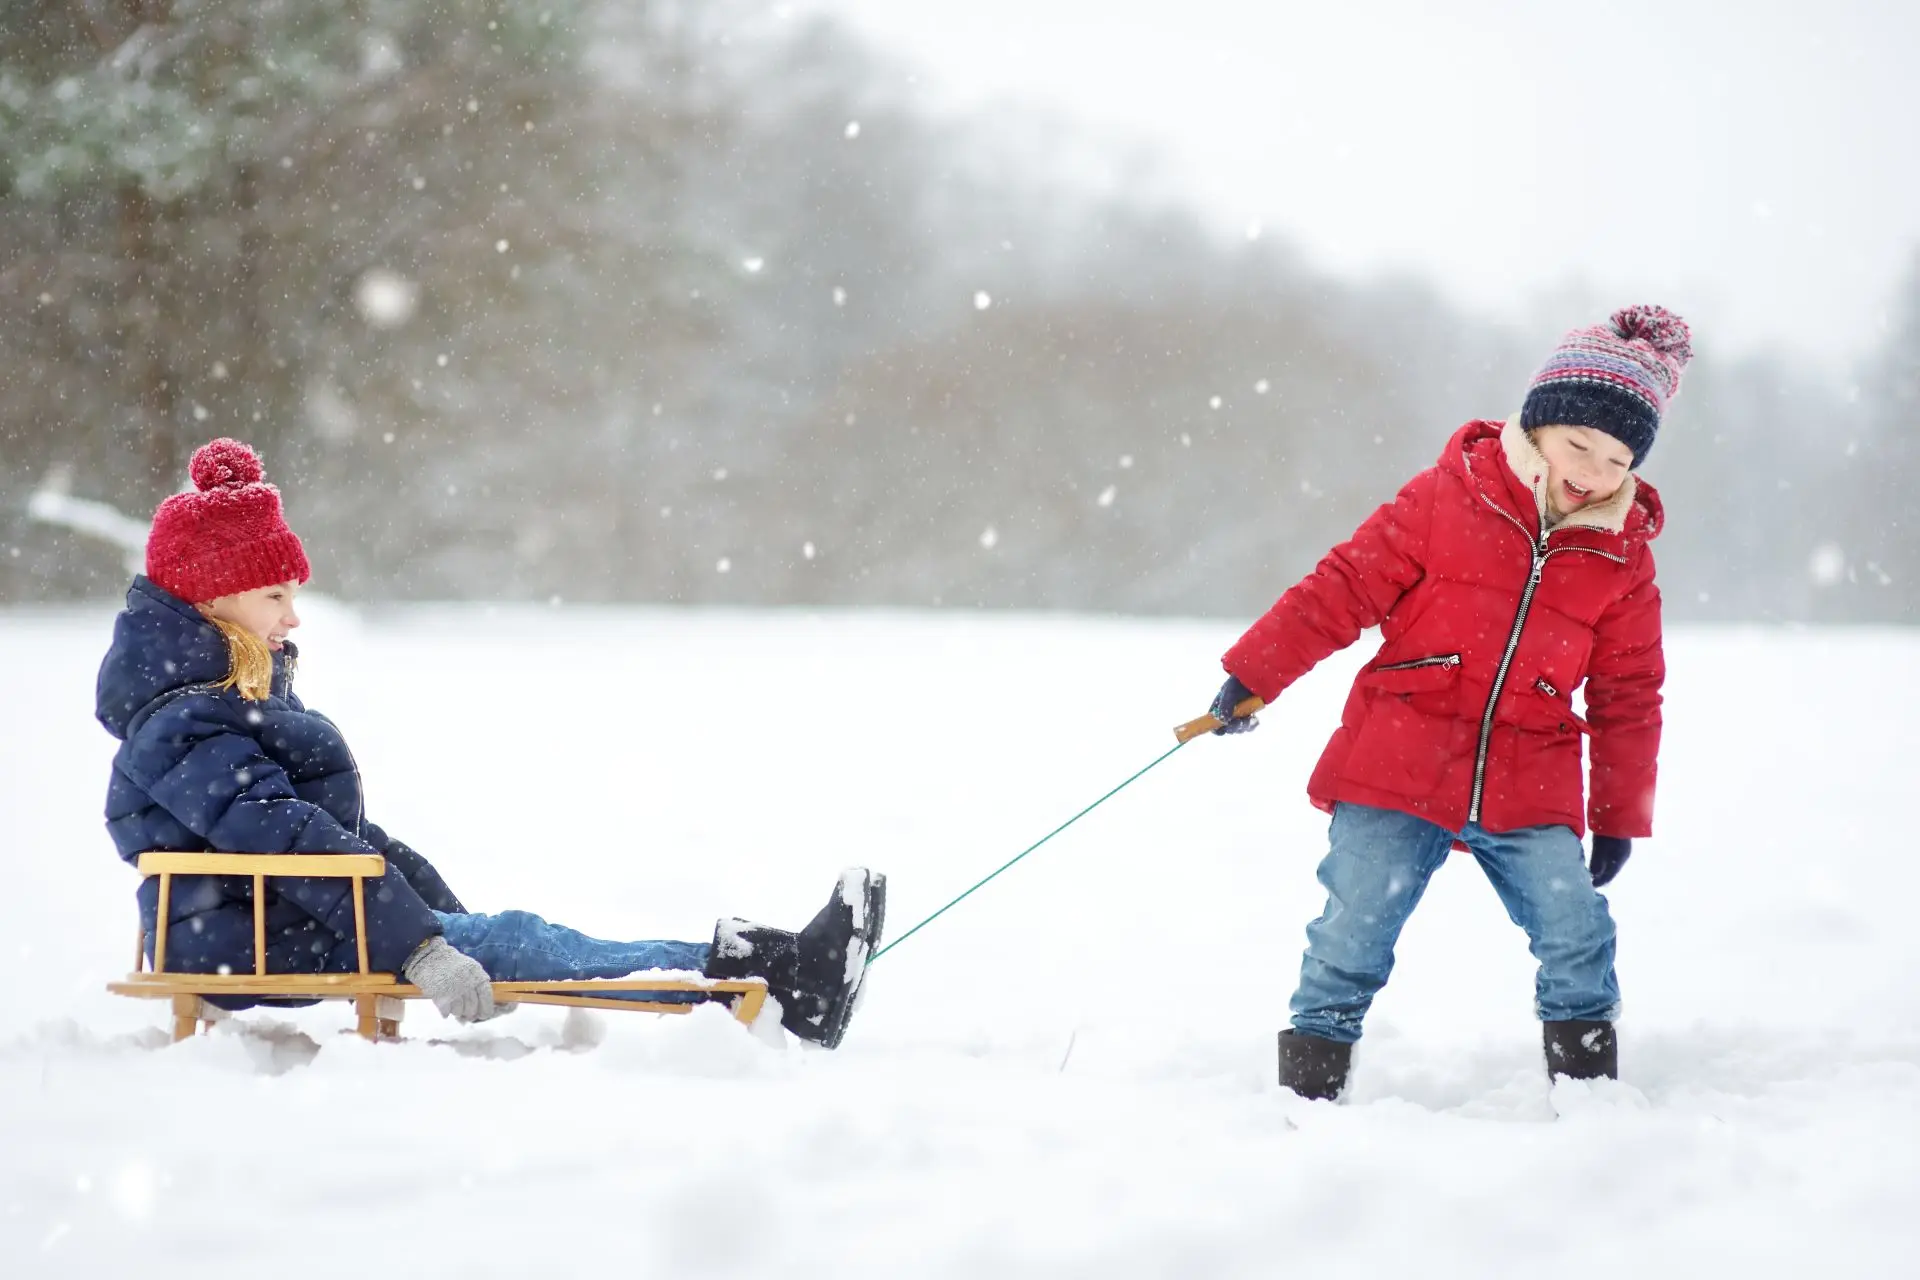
[(1539, 564)]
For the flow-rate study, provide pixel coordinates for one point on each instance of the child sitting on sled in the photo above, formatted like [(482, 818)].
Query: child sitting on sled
[(217, 753), (1502, 579)]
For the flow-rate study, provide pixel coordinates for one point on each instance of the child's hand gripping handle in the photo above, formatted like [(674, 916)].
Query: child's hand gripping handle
[(1209, 722)]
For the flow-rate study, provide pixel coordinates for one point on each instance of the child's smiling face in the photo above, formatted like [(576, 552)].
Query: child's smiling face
[(265, 611), (1584, 466)]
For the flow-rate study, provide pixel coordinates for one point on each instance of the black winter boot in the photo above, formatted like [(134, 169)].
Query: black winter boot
[(1314, 1068), (1581, 1050), (815, 973)]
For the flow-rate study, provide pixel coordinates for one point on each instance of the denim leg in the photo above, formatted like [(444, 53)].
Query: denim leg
[(1541, 876), (1376, 869), (518, 946)]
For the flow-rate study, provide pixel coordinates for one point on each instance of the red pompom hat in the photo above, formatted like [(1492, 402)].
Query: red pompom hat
[(228, 536)]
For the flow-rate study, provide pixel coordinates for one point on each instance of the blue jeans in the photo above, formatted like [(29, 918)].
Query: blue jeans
[(1376, 870), (518, 946)]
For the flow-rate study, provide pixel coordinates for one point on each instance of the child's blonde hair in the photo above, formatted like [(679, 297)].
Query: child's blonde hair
[(251, 671)]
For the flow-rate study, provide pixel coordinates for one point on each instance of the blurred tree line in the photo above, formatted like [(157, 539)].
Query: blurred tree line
[(683, 301)]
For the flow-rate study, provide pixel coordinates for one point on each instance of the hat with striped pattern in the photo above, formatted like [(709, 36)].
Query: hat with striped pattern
[(1615, 377)]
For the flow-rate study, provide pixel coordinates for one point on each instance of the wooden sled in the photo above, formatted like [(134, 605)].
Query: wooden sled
[(377, 997)]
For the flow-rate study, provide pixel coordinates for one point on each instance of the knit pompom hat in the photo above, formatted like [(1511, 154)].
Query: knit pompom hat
[(228, 535), (1615, 377)]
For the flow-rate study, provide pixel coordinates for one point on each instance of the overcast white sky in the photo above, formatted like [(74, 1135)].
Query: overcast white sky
[(1751, 163)]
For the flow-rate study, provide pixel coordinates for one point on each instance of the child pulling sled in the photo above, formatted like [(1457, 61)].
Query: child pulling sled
[(1512, 573)]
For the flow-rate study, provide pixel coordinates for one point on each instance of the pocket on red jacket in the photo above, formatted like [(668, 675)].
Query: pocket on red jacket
[(1540, 707), (1409, 735), (1416, 675)]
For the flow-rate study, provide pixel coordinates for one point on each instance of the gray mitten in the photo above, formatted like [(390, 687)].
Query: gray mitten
[(456, 983)]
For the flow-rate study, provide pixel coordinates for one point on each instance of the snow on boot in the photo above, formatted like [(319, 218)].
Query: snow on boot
[(743, 949), (1314, 1068), (815, 973), (1581, 1050)]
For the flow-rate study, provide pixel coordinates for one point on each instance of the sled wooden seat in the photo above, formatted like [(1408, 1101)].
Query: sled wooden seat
[(377, 997)]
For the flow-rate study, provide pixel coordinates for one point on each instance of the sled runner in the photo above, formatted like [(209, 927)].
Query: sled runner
[(377, 997)]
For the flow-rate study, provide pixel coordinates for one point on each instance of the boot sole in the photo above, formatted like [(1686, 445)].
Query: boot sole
[(833, 1027)]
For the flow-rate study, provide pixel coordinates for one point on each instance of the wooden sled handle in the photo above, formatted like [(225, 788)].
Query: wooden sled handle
[(1209, 722)]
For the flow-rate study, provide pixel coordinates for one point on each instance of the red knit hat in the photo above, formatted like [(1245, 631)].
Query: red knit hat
[(229, 536)]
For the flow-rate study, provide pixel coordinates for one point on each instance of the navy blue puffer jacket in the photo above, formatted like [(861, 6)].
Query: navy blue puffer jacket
[(202, 769)]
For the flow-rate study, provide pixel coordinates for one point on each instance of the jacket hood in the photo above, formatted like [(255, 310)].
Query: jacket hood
[(1501, 460), (160, 644)]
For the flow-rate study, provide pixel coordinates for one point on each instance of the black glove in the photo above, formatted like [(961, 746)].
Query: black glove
[(1609, 855), (1231, 695)]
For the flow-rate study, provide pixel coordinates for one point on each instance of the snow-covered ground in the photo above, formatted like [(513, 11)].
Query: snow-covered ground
[(1071, 1074)]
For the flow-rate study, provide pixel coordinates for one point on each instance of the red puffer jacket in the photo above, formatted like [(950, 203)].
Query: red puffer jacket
[(1487, 629)]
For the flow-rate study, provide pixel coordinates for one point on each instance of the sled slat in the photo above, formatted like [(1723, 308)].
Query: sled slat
[(262, 864), (565, 986), (247, 984), (260, 926), (160, 924), (360, 919), (602, 1002)]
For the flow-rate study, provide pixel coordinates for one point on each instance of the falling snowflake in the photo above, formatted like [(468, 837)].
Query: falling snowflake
[(385, 299), (752, 265), (853, 129), (1260, 387), (1107, 495), (989, 538), (806, 549), (982, 300), (725, 565), (1829, 565)]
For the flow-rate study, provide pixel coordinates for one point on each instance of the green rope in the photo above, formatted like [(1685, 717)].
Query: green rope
[(1024, 852)]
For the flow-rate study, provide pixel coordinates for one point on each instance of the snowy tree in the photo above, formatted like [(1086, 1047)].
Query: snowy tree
[(355, 235)]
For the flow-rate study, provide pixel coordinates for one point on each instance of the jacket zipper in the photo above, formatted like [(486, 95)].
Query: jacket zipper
[(1500, 676), (1540, 557), (1444, 660)]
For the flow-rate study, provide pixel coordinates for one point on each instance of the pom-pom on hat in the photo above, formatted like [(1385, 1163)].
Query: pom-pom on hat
[(226, 536), (1615, 377)]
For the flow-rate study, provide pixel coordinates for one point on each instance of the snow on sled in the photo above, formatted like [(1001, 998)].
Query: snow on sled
[(378, 998)]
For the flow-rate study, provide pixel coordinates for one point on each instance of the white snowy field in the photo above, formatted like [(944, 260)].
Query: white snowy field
[(1071, 1073)]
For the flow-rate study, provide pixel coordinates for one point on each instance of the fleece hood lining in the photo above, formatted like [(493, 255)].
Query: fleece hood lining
[(1526, 461)]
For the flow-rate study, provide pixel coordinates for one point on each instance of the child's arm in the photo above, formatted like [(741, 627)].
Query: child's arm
[(1623, 706), (421, 874), (1351, 589), (196, 760)]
